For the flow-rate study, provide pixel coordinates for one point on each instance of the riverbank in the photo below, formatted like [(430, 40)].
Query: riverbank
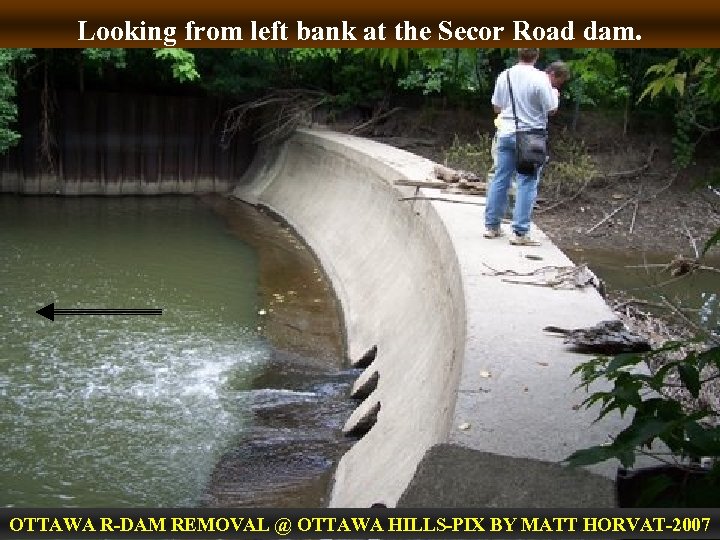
[(635, 199), (636, 220)]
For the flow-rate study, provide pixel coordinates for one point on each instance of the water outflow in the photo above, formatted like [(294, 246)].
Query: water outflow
[(113, 411)]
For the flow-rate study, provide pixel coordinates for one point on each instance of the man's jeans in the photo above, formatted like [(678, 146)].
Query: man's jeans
[(497, 196)]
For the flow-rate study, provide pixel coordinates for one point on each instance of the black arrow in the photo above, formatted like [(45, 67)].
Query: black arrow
[(50, 311)]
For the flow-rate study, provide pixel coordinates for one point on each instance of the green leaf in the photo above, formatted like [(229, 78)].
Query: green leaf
[(702, 441), (622, 360), (680, 82), (182, 63), (710, 356), (714, 239), (590, 456), (690, 377), (652, 488), (641, 432)]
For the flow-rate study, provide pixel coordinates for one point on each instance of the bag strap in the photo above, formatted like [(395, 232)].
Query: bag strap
[(512, 100)]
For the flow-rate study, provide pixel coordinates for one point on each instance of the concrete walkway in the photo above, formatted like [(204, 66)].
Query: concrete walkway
[(470, 402)]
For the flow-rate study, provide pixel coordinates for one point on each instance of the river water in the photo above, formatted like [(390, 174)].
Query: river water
[(644, 276), (168, 410)]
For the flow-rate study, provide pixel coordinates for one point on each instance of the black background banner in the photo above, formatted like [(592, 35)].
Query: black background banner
[(417, 523)]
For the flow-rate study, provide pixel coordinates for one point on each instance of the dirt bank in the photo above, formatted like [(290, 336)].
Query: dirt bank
[(635, 201)]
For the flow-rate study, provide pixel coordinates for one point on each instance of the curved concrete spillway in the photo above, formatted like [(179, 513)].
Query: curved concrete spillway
[(468, 402)]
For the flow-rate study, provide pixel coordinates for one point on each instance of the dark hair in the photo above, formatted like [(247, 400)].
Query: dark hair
[(559, 69)]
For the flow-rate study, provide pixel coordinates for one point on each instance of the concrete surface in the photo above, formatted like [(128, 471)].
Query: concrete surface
[(474, 397)]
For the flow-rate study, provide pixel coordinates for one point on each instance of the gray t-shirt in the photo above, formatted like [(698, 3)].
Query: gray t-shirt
[(534, 98)]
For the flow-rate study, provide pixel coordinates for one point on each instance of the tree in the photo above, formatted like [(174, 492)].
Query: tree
[(9, 58), (692, 79)]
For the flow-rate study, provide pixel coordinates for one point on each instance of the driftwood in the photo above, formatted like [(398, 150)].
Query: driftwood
[(620, 174), (421, 183), (692, 240), (465, 189), (440, 199), (555, 277), (637, 205), (285, 110), (611, 214), (376, 117), (637, 200), (565, 201), (606, 337), (634, 172), (454, 176)]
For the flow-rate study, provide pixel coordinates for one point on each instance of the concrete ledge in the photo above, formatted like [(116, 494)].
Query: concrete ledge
[(462, 360), (503, 482), (50, 185)]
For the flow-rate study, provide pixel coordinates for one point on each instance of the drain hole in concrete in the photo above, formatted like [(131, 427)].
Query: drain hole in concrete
[(366, 358), (363, 388), (365, 423)]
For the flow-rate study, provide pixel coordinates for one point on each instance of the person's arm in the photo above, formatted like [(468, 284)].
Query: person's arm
[(500, 94), (549, 96), (556, 102)]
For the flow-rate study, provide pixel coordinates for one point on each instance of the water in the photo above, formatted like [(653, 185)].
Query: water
[(643, 276), (127, 411)]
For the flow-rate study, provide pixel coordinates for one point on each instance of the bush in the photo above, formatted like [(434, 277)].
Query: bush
[(569, 168), (472, 157), (689, 434)]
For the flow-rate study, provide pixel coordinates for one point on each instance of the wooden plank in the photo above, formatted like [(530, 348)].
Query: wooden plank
[(421, 183)]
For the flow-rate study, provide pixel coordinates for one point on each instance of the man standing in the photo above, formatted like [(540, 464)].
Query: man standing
[(558, 73), (534, 101)]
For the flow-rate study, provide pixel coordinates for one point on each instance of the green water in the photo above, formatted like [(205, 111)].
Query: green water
[(643, 276), (114, 411)]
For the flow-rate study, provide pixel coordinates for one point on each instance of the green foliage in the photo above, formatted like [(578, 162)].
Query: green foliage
[(181, 61), (715, 238), (387, 56), (692, 79), (667, 80), (659, 415), (598, 78), (712, 241), (570, 165), (99, 58), (448, 71), (473, 157), (240, 72), (9, 58)]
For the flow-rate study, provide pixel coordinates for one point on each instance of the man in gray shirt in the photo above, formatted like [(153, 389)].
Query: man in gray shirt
[(534, 101)]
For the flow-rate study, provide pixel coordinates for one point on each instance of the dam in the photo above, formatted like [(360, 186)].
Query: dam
[(463, 399)]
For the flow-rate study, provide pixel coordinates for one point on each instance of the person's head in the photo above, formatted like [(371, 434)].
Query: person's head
[(528, 56), (558, 72)]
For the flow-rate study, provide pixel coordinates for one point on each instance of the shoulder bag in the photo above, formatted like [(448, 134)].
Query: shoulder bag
[(530, 145)]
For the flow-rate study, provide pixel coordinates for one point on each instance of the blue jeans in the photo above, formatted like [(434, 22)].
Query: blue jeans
[(497, 196)]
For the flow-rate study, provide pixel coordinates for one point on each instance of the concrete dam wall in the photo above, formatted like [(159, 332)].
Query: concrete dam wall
[(108, 143), (464, 400)]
